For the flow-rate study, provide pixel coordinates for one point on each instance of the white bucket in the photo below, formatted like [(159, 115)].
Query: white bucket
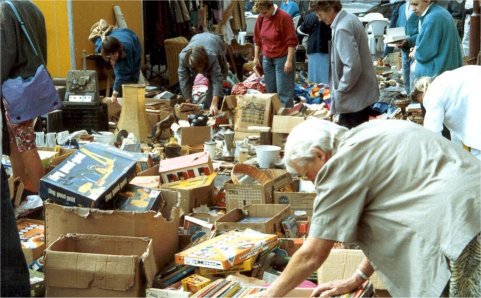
[(267, 155)]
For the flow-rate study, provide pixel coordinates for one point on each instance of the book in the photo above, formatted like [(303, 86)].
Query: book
[(395, 34)]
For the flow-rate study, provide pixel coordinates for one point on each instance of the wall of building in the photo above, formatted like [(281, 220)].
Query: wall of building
[(68, 26)]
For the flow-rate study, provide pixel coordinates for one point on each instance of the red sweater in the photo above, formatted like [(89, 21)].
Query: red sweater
[(275, 34)]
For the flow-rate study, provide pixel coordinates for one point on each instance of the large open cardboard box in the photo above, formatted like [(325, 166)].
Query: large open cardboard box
[(282, 126), (162, 228), (193, 135), (341, 264), (81, 265), (275, 213), (194, 192)]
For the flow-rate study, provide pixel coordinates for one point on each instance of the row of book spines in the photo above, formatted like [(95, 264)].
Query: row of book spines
[(225, 288)]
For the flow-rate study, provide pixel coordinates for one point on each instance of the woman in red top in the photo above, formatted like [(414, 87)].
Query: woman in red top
[(275, 36)]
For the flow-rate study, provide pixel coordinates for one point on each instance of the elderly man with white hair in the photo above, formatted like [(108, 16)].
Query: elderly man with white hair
[(407, 196)]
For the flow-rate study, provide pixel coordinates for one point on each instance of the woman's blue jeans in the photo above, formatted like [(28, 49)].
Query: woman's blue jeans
[(277, 81)]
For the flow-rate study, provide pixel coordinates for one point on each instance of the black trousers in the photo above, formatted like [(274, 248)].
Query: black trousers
[(15, 280), (351, 120)]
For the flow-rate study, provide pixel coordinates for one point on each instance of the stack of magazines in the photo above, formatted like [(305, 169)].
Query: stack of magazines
[(227, 288)]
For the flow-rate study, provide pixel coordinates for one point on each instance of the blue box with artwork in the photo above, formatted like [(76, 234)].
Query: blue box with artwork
[(91, 177)]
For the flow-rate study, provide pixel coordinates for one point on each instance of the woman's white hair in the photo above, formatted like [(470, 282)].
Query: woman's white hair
[(308, 135)]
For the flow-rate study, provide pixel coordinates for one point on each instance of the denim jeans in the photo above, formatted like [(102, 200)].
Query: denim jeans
[(277, 81), (407, 78), (15, 277)]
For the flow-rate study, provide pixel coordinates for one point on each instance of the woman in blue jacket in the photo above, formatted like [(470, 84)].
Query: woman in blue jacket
[(438, 46)]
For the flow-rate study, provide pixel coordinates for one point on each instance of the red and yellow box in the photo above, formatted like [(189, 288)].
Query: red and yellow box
[(194, 283)]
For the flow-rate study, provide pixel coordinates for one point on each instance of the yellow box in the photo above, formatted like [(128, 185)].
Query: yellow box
[(194, 283)]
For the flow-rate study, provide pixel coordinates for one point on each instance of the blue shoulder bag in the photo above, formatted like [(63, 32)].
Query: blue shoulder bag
[(26, 99)]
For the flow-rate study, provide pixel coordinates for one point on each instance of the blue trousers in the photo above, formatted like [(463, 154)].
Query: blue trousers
[(407, 77), (277, 81), (15, 278)]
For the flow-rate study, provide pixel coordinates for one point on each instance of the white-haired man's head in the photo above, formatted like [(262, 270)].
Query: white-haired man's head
[(307, 140)]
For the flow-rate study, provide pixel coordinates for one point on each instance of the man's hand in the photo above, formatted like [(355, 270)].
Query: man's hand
[(213, 110), (213, 106), (337, 287), (403, 44), (412, 53)]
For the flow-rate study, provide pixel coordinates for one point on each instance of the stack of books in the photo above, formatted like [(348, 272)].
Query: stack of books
[(227, 288)]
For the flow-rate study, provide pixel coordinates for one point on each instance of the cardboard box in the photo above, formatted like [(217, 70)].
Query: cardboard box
[(226, 250), (32, 238), (282, 126), (193, 192), (195, 222), (341, 264), (185, 167), (80, 265), (299, 201), (240, 195), (251, 109), (285, 124), (194, 135), (279, 139), (61, 155), (89, 177), (162, 228), (270, 216), (139, 199)]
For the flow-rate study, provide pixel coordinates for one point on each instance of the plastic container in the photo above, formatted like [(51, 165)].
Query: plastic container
[(267, 155)]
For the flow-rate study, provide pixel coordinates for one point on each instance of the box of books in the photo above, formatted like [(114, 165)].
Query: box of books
[(265, 218), (227, 250)]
